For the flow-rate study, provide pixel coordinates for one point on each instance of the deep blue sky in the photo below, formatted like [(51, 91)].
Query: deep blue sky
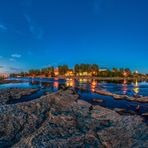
[(39, 33)]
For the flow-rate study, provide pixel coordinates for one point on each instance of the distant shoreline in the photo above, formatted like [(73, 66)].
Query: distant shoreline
[(102, 78), (94, 78)]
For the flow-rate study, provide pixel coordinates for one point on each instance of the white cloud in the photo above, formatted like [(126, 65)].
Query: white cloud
[(15, 55), (11, 59), (35, 30), (3, 28), (15, 69)]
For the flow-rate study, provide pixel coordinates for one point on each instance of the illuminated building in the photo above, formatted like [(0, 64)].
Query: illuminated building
[(4, 75), (69, 73), (56, 71), (103, 69), (84, 74), (124, 73), (136, 72)]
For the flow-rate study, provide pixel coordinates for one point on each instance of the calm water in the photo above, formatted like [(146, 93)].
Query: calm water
[(118, 87)]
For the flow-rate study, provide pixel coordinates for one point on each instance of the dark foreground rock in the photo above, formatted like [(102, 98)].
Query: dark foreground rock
[(8, 95), (60, 120)]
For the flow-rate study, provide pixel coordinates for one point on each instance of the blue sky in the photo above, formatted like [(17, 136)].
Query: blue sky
[(40, 33)]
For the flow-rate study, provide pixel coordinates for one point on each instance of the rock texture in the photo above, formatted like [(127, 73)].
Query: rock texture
[(7, 95), (61, 120), (140, 99)]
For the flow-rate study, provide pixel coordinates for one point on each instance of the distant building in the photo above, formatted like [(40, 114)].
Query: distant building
[(103, 69), (4, 75), (69, 73), (84, 74), (56, 71)]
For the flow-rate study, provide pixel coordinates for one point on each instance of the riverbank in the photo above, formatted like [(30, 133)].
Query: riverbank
[(104, 78), (61, 119), (96, 78)]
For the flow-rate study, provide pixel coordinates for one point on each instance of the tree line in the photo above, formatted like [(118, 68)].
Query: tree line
[(92, 69)]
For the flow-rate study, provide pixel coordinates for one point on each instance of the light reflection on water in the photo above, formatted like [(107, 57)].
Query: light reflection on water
[(136, 87), (124, 87), (119, 87)]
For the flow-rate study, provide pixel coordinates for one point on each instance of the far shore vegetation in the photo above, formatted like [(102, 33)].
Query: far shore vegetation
[(84, 70)]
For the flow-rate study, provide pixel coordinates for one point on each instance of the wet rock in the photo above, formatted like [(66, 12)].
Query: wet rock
[(101, 92), (124, 97), (145, 114), (119, 109), (97, 100), (140, 99)]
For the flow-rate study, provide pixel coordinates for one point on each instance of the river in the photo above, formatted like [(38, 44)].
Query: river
[(119, 87)]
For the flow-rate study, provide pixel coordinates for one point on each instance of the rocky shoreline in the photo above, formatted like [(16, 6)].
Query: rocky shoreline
[(140, 99), (62, 120)]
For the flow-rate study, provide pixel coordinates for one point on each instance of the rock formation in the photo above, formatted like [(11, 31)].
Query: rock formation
[(61, 120)]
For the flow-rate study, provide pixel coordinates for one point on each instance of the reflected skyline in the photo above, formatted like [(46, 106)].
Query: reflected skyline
[(56, 84), (93, 85), (70, 83), (125, 87), (136, 87)]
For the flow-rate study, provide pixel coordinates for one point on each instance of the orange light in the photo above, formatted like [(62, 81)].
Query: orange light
[(125, 73), (56, 84), (136, 87), (70, 83), (93, 86)]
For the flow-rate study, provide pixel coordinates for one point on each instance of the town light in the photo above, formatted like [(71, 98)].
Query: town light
[(124, 73)]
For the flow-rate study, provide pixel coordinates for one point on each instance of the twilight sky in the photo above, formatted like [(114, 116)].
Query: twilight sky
[(40, 33)]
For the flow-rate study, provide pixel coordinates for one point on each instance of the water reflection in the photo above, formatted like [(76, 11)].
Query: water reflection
[(124, 87), (56, 84), (84, 80), (136, 87), (93, 85), (120, 87), (70, 83)]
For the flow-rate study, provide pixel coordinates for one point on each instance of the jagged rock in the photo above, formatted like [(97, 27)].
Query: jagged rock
[(58, 120), (98, 100)]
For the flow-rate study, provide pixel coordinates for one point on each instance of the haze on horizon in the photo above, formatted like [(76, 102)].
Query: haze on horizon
[(40, 33)]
